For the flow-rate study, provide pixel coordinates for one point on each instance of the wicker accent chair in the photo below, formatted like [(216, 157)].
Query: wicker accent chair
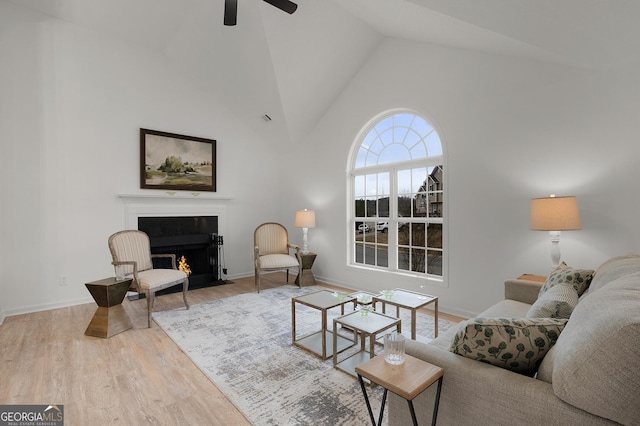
[(131, 257), (271, 251)]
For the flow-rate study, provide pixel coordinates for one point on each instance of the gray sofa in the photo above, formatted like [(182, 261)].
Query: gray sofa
[(590, 377)]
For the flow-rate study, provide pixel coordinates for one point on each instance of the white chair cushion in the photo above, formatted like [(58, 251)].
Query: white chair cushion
[(153, 278), (278, 261)]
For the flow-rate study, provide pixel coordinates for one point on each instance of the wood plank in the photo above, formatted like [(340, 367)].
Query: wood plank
[(138, 376)]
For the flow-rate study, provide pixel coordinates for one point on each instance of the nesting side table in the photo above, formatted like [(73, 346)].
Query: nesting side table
[(406, 380), (110, 317)]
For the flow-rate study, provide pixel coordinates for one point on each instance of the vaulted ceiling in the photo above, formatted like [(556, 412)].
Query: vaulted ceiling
[(292, 67)]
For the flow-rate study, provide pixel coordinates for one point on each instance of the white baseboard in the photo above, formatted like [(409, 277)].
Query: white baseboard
[(44, 307)]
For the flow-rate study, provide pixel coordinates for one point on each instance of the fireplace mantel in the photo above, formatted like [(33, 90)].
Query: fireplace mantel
[(179, 204)]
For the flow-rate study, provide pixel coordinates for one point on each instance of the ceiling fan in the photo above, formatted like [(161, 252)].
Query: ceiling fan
[(231, 9)]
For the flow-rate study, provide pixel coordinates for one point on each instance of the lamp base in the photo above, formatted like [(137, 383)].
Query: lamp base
[(305, 242), (555, 248)]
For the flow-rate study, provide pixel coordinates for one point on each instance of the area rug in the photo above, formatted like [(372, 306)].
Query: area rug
[(243, 344)]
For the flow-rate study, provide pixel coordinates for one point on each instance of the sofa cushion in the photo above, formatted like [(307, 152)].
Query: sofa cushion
[(579, 278), (515, 344), (596, 366), (557, 302), (615, 268)]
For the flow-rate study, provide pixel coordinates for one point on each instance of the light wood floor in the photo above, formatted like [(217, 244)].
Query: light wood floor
[(133, 378)]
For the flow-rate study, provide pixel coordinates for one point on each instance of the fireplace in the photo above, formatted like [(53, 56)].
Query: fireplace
[(194, 237)]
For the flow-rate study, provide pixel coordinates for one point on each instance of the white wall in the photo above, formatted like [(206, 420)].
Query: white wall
[(71, 107), (72, 103), (513, 130)]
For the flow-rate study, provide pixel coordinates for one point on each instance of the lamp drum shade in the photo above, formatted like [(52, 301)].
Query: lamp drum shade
[(305, 219), (555, 214)]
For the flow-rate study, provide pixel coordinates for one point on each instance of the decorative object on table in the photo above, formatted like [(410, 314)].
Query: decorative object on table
[(305, 219), (171, 161), (394, 348), (131, 254), (555, 214), (387, 294), (271, 251), (364, 309), (340, 295)]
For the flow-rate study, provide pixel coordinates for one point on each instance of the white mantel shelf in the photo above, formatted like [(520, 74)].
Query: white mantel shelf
[(176, 196), (180, 204)]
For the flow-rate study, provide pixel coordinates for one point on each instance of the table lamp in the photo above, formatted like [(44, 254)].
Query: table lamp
[(305, 219), (555, 214)]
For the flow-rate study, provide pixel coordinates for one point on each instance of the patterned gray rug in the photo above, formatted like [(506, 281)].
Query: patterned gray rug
[(243, 344)]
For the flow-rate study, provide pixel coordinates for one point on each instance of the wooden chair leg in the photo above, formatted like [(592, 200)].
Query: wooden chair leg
[(287, 276), (150, 299), (185, 288), (257, 275)]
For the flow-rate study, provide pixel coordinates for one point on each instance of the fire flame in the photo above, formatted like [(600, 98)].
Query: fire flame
[(184, 266)]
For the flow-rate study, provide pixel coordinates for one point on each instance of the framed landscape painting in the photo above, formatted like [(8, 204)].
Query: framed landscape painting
[(177, 162)]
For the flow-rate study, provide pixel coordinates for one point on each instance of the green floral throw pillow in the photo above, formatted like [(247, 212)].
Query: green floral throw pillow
[(579, 278), (515, 344)]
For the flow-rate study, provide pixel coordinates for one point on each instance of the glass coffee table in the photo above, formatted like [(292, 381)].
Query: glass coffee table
[(321, 342), (410, 300), (369, 324)]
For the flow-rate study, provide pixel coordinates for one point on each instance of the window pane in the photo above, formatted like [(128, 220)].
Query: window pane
[(403, 119), (383, 256), (359, 249), (421, 126), (417, 235), (419, 179), (358, 186), (417, 260), (359, 207), (399, 133), (378, 146), (394, 153), (404, 206), (434, 262), (418, 151), (403, 259), (383, 184), (434, 235), (383, 125), (434, 146), (404, 182)]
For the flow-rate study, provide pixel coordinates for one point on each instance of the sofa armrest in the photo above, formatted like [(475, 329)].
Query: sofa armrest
[(476, 393), (525, 291)]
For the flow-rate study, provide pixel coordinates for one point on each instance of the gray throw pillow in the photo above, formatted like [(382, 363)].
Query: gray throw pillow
[(557, 302)]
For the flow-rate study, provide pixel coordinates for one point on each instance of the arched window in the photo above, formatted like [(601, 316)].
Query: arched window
[(397, 196)]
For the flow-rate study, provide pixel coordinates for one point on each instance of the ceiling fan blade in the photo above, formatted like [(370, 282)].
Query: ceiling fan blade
[(230, 12), (285, 5)]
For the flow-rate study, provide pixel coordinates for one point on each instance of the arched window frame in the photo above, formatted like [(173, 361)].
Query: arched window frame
[(399, 246)]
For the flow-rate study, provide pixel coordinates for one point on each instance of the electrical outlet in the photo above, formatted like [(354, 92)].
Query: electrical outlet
[(62, 280)]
